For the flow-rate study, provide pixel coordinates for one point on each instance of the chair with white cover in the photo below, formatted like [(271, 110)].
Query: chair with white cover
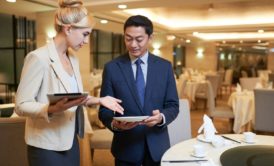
[(181, 85), (213, 80), (249, 83), (264, 111), (227, 83), (271, 78), (219, 111), (263, 73), (221, 73), (180, 129), (13, 151)]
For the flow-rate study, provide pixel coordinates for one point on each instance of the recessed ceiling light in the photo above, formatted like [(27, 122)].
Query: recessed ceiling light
[(104, 21), (188, 41), (195, 33), (11, 1), (170, 37), (122, 6)]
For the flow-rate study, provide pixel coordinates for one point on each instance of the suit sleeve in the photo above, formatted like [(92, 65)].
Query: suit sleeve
[(106, 115), (171, 102)]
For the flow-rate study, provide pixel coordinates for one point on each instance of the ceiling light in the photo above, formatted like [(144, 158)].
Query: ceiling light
[(235, 36), (195, 33), (260, 31), (104, 21), (188, 41), (122, 6), (170, 37), (259, 41), (11, 1)]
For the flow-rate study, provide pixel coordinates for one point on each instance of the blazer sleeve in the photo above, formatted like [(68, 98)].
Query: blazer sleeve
[(106, 115), (171, 102), (26, 96)]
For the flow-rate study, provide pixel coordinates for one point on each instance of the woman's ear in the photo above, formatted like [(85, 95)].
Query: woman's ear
[(67, 29)]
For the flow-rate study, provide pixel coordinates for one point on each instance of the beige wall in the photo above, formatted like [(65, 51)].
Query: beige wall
[(270, 61), (270, 58), (208, 62)]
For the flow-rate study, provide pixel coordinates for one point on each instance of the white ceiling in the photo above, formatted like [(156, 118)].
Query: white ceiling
[(179, 17)]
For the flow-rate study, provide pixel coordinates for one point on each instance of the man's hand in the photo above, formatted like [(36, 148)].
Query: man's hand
[(153, 120), (123, 125)]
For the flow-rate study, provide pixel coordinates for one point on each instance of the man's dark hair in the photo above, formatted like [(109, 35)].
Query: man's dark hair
[(139, 20)]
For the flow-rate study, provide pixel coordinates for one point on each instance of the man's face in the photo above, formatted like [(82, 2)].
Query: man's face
[(136, 40)]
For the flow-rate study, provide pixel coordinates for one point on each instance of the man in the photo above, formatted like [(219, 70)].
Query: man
[(145, 84)]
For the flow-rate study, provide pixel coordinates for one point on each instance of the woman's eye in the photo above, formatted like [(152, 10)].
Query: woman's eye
[(86, 34)]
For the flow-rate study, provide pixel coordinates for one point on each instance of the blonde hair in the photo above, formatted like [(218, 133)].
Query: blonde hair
[(71, 12)]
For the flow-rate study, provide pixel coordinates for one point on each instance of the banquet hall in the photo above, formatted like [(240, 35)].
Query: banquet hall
[(221, 51)]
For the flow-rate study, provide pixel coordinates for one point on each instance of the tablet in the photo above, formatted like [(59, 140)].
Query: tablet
[(53, 98)]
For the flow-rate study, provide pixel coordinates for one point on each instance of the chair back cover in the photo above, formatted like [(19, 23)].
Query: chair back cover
[(180, 129), (264, 112)]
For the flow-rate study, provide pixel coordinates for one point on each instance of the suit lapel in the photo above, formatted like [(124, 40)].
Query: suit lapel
[(125, 66), (151, 81), (56, 65)]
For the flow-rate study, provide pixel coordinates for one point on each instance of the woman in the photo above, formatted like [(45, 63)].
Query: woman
[(51, 129)]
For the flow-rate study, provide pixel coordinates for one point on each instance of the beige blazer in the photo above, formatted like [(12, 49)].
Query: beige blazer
[(43, 74)]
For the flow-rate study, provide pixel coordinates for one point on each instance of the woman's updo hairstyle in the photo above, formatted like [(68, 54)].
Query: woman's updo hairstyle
[(71, 12)]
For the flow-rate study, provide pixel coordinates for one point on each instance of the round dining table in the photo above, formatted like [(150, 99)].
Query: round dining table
[(182, 153)]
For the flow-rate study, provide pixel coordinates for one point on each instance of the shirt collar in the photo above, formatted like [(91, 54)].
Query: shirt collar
[(143, 58)]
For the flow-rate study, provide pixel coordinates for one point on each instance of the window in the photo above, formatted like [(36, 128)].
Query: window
[(105, 46)]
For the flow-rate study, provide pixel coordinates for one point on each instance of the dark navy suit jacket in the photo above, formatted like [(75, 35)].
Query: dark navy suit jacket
[(160, 93)]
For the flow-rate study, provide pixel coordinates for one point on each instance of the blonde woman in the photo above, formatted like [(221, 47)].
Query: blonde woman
[(51, 129)]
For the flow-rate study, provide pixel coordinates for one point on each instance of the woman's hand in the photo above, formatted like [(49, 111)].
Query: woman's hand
[(112, 104), (65, 104)]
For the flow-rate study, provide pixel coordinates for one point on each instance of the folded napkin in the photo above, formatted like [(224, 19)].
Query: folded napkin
[(238, 88), (208, 128)]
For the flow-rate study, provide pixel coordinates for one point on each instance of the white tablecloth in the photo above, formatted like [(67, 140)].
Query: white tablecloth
[(184, 149), (243, 107)]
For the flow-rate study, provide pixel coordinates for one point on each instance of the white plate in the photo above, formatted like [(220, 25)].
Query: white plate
[(131, 118), (202, 138), (198, 156), (253, 142)]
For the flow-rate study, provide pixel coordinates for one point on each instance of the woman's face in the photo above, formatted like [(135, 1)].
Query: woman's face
[(78, 37)]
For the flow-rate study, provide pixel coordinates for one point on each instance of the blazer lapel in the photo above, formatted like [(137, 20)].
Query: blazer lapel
[(125, 66), (76, 71), (56, 65)]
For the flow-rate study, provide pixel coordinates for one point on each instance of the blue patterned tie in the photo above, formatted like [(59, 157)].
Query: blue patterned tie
[(140, 81)]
